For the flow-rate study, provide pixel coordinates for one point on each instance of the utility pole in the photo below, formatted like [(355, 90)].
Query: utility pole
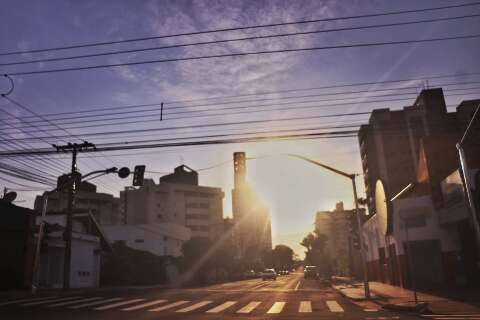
[(75, 178), (467, 179), (352, 177)]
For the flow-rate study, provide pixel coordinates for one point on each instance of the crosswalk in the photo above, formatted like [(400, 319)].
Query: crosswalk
[(464, 316), (130, 304)]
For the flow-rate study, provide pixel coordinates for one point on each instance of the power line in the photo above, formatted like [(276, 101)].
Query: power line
[(24, 107), (243, 54), (289, 107), (147, 116), (183, 45), (95, 109), (344, 134), (371, 15), (217, 124), (166, 113), (156, 115)]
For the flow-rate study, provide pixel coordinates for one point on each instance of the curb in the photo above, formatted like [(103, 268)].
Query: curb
[(419, 308)]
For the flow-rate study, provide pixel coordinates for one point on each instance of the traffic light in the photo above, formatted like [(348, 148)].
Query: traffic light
[(138, 173)]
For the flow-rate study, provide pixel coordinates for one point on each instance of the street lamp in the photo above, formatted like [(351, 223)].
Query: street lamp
[(357, 213)]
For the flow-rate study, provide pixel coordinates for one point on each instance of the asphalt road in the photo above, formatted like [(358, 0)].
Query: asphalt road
[(289, 297)]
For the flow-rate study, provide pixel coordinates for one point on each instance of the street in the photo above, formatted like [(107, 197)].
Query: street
[(289, 297)]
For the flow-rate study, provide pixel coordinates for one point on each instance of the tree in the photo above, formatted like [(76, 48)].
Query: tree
[(315, 244), (203, 260), (282, 257)]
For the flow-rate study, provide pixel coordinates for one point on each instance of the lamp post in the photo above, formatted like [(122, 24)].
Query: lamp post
[(357, 213), (467, 178)]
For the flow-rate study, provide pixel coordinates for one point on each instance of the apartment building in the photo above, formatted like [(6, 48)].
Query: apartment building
[(176, 199)]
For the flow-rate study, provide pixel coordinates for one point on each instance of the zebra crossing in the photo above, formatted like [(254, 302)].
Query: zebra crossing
[(464, 316), (98, 303)]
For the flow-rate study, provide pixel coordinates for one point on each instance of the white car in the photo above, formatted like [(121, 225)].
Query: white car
[(269, 274)]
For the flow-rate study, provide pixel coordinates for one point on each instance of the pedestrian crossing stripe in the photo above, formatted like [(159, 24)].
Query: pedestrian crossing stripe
[(119, 304), (334, 306), (195, 306), (249, 307), (95, 303), (277, 307), (145, 305), (49, 301), (222, 307), (26, 300), (305, 306), (169, 306), (61, 304)]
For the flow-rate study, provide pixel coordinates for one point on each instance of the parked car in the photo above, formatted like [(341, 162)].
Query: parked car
[(269, 274), (310, 272)]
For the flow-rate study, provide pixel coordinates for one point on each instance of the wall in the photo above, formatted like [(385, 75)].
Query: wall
[(164, 239)]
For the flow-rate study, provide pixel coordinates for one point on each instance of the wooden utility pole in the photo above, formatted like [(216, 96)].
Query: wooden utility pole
[(74, 179)]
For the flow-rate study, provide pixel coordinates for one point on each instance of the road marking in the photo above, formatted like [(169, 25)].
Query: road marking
[(334, 306), (96, 303), (450, 315), (50, 300), (457, 318), (26, 300), (195, 306), (144, 305), (249, 307), (305, 306), (169, 306), (61, 304), (277, 307), (118, 304), (222, 307), (297, 286)]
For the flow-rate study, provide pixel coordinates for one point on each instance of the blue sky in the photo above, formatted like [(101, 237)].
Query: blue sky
[(292, 189)]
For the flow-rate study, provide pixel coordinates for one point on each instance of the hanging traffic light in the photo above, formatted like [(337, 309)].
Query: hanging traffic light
[(138, 173)]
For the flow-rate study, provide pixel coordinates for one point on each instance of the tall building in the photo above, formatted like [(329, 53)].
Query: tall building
[(177, 199), (338, 226), (425, 233), (104, 207), (390, 142), (252, 233)]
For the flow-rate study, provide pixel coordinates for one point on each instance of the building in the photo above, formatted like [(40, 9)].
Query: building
[(420, 226), (104, 207), (178, 200), (390, 142), (88, 241), (252, 226), (17, 226), (339, 227), (161, 239)]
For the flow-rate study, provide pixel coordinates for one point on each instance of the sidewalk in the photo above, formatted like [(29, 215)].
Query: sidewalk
[(397, 298)]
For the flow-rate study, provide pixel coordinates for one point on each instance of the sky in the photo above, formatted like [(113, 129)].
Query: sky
[(294, 190)]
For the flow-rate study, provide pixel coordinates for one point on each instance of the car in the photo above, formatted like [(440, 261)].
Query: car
[(310, 272), (269, 274)]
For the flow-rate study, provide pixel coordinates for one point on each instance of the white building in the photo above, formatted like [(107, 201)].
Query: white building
[(104, 207), (177, 199), (161, 239), (87, 244)]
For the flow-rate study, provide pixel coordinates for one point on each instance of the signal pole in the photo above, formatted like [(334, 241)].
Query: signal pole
[(75, 178)]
